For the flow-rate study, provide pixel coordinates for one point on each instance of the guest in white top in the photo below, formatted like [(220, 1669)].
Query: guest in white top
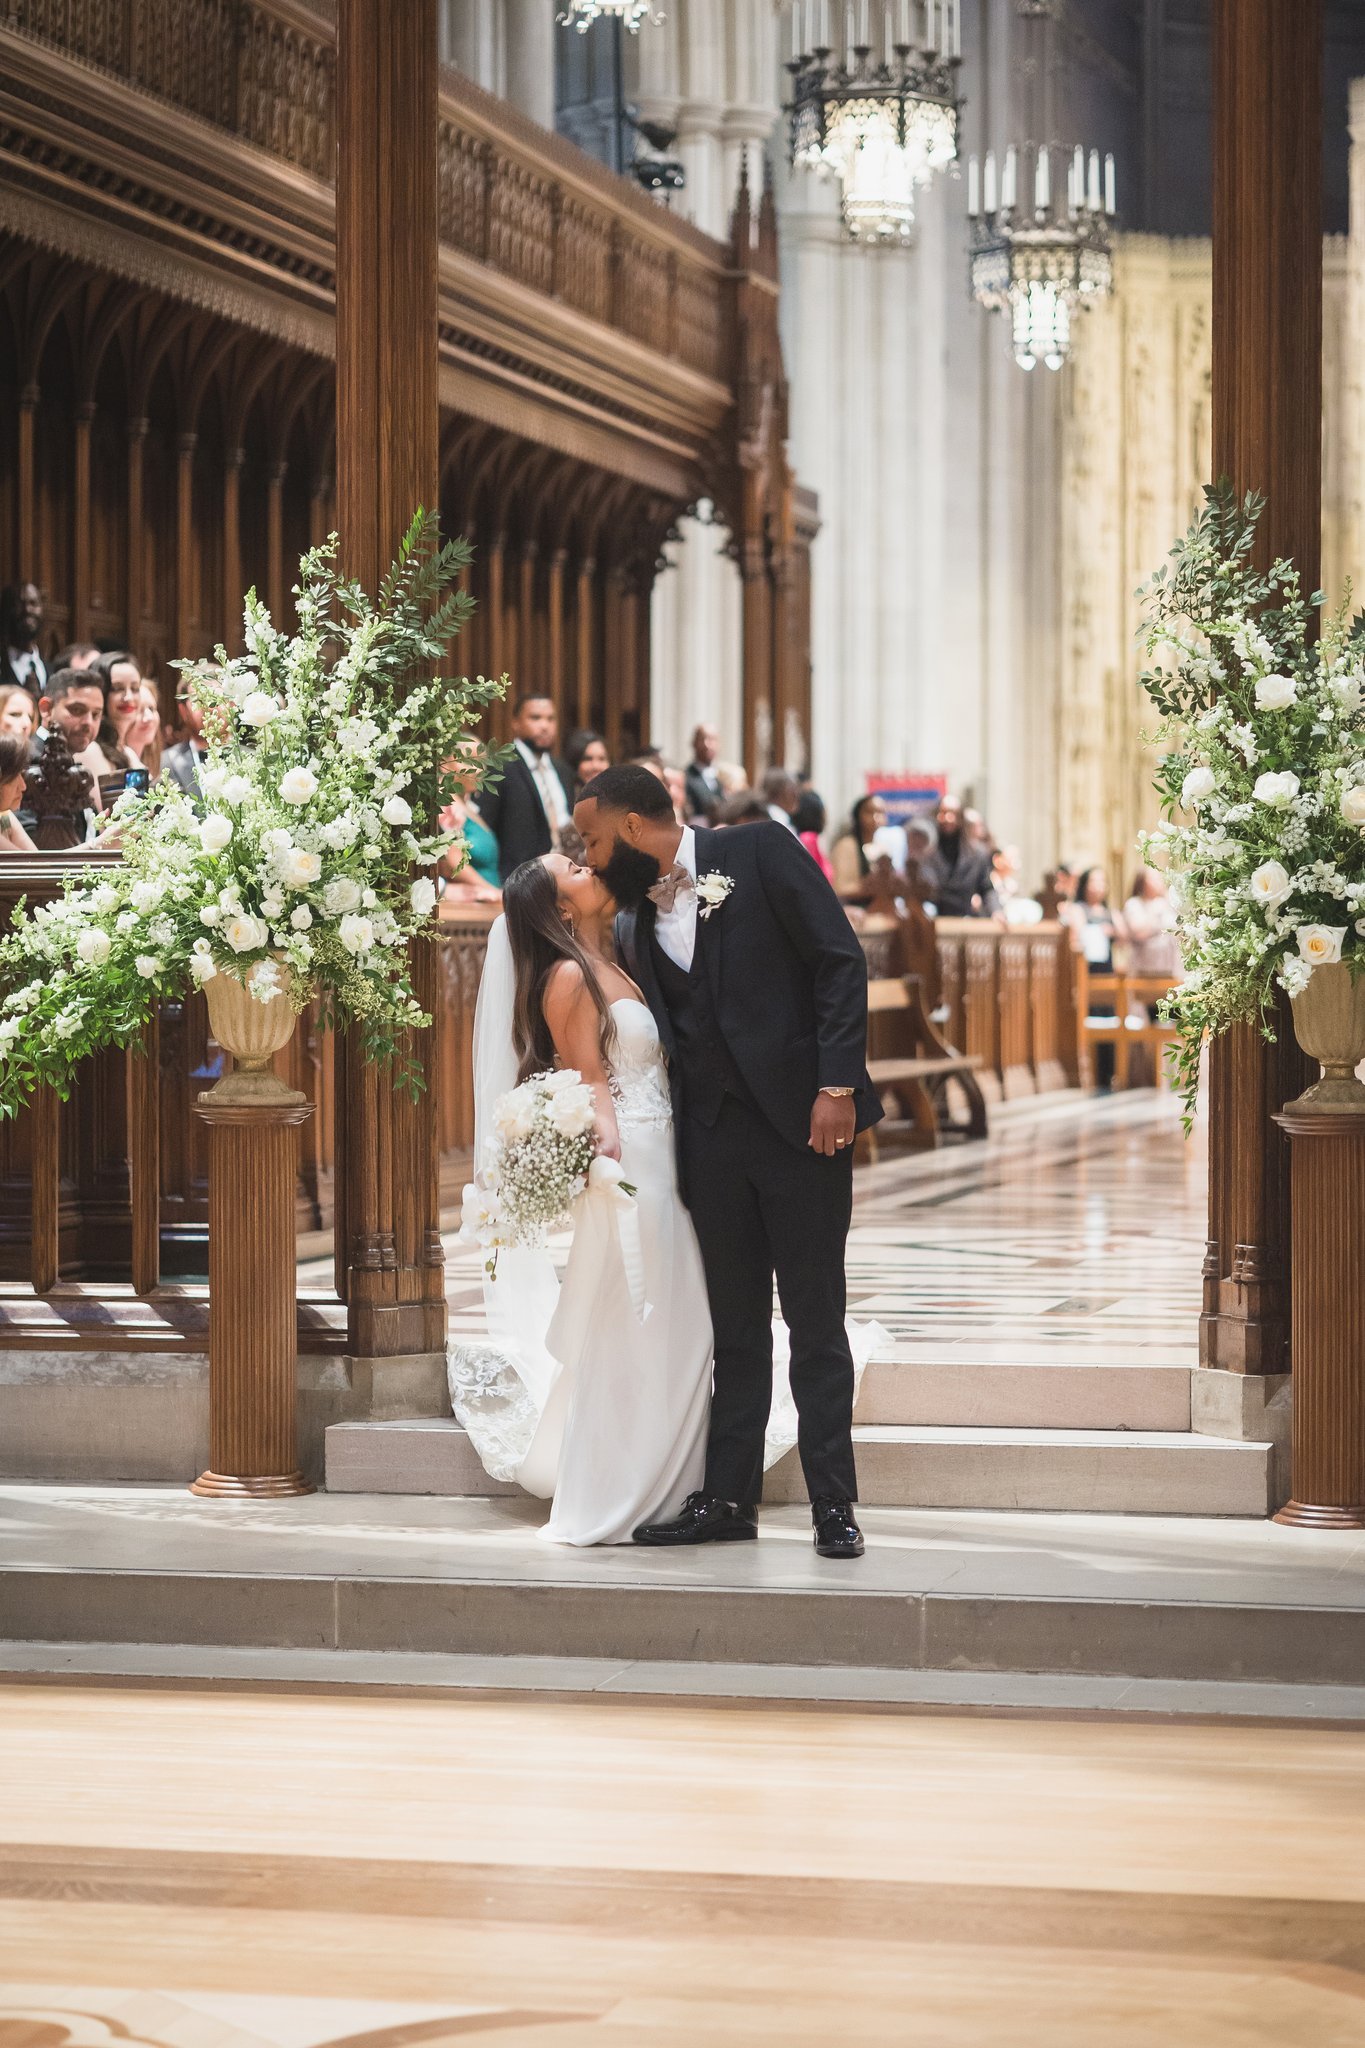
[(530, 807)]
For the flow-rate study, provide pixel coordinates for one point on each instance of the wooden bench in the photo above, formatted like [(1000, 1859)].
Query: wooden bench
[(908, 1061), (1125, 992)]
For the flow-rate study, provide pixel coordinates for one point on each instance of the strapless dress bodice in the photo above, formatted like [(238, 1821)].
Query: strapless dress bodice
[(639, 1070)]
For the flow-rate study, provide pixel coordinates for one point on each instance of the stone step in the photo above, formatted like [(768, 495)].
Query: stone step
[(1141, 1472), (993, 1593), (949, 1393)]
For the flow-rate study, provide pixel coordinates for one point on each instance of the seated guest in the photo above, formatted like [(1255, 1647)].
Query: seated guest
[(809, 820), (704, 786), (183, 761), (648, 757), (1094, 929), (957, 874), (18, 712), (744, 807), (863, 869), (21, 622), (476, 879), (81, 654), (531, 805), (781, 795), (110, 756), (73, 705), (1148, 923), (587, 756), (676, 784), (14, 760)]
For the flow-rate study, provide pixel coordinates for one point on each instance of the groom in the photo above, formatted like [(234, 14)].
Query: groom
[(759, 990)]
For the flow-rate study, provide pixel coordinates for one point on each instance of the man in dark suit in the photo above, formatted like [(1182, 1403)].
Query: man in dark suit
[(759, 989), (529, 809), (704, 791), (21, 622)]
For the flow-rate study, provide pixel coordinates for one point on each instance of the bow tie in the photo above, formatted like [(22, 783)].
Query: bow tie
[(667, 889)]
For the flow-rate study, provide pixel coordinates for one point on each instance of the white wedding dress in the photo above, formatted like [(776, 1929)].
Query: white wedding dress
[(593, 1389)]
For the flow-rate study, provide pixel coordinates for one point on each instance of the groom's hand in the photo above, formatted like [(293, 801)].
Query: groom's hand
[(833, 1121)]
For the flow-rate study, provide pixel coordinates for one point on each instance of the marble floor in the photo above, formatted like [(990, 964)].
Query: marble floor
[(292, 1869)]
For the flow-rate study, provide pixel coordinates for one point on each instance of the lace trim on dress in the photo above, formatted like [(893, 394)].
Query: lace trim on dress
[(642, 1099), (493, 1405)]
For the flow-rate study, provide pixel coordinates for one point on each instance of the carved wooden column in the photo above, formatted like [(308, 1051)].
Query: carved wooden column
[(80, 554), (583, 641), (318, 498), (1267, 430), (387, 465), (276, 580), (528, 676), (494, 630), (554, 673), (184, 542), (613, 636), (757, 655), (133, 597), (1328, 1317), (232, 549), (26, 520), (253, 1315)]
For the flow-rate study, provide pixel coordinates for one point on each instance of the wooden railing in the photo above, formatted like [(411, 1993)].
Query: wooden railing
[(511, 195), (104, 1198)]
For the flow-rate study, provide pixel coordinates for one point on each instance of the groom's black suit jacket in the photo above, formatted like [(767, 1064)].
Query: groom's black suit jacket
[(786, 974)]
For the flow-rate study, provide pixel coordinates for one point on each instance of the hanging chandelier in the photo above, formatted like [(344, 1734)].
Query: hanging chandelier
[(874, 102), (1039, 262), (581, 14)]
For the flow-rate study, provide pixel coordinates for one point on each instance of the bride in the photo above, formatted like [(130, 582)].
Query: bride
[(595, 1387)]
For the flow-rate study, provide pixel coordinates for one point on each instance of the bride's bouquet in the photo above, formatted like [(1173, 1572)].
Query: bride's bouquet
[(542, 1158)]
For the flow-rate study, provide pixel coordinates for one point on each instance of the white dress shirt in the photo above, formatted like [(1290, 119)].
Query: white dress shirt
[(29, 668), (781, 817), (553, 800), (676, 929)]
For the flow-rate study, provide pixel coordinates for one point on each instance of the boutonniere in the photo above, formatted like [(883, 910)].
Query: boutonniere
[(712, 891)]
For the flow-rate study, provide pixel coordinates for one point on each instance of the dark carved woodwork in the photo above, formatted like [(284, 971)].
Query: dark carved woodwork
[(58, 791), (1267, 431)]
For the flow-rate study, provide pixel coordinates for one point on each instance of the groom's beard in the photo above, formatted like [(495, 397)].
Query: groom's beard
[(629, 874)]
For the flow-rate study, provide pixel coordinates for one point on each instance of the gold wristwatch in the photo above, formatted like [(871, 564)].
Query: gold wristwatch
[(838, 1093)]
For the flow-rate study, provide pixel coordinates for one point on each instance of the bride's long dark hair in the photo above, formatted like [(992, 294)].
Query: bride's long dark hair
[(540, 939)]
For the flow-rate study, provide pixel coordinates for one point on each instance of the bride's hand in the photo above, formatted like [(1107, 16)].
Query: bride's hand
[(608, 1139)]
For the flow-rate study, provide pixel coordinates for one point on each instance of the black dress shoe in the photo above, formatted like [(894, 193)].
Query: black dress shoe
[(704, 1520), (836, 1532)]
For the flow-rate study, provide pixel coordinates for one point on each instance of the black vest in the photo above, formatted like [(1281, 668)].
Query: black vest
[(702, 1058)]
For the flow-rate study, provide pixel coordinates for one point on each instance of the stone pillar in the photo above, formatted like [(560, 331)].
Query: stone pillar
[(1267, 429), (389, 1251), (529, 39)]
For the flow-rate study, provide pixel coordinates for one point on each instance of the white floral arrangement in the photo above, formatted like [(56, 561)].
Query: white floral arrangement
[(1263, 780), (541, 1159), (712, 892), (307, 868)]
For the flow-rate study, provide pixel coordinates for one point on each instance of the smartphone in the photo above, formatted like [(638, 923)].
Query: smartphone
[(138, 778)]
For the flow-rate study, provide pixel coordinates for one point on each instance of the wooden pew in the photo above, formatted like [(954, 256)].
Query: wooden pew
[(1122, 992), (909, 1062)]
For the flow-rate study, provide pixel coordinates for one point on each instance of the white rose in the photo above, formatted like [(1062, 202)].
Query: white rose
[(356, 934), (299, 786), (1276, 693), (513, 1118), (299, 870), (245, 934), (561, 1078), (203, 967), (341, 896), (302, 918), (422, 896), (236, 790), (1346, 691), (1320, 944), (1199, 783), (259, 709), (1353, 805), (210, 915), (146, 895), (1270, 884), (272, 906), (570, 1112), (213, 781), (146, 966), (105, 899), (93, 947), (276, 840), (215, 832), (1276, 791), (397, 811)]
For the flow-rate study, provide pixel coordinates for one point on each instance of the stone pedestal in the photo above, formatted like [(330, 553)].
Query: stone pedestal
[(1328, 1344), (253, 1434)]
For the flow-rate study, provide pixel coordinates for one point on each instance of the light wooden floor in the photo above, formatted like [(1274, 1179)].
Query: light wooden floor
[(223, 1869)]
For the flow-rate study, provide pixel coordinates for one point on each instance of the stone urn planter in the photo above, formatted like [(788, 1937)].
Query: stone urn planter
[(1329, 1023), (253, 1032)]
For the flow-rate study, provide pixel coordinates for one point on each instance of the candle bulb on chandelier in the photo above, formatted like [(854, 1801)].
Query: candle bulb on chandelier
[(973, 188), (988, 184), (1009, 175), (1109, 193), (1075, 183), (1093, 193), (955, 28), (904, 29), (1042, 180), (865, 25)]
